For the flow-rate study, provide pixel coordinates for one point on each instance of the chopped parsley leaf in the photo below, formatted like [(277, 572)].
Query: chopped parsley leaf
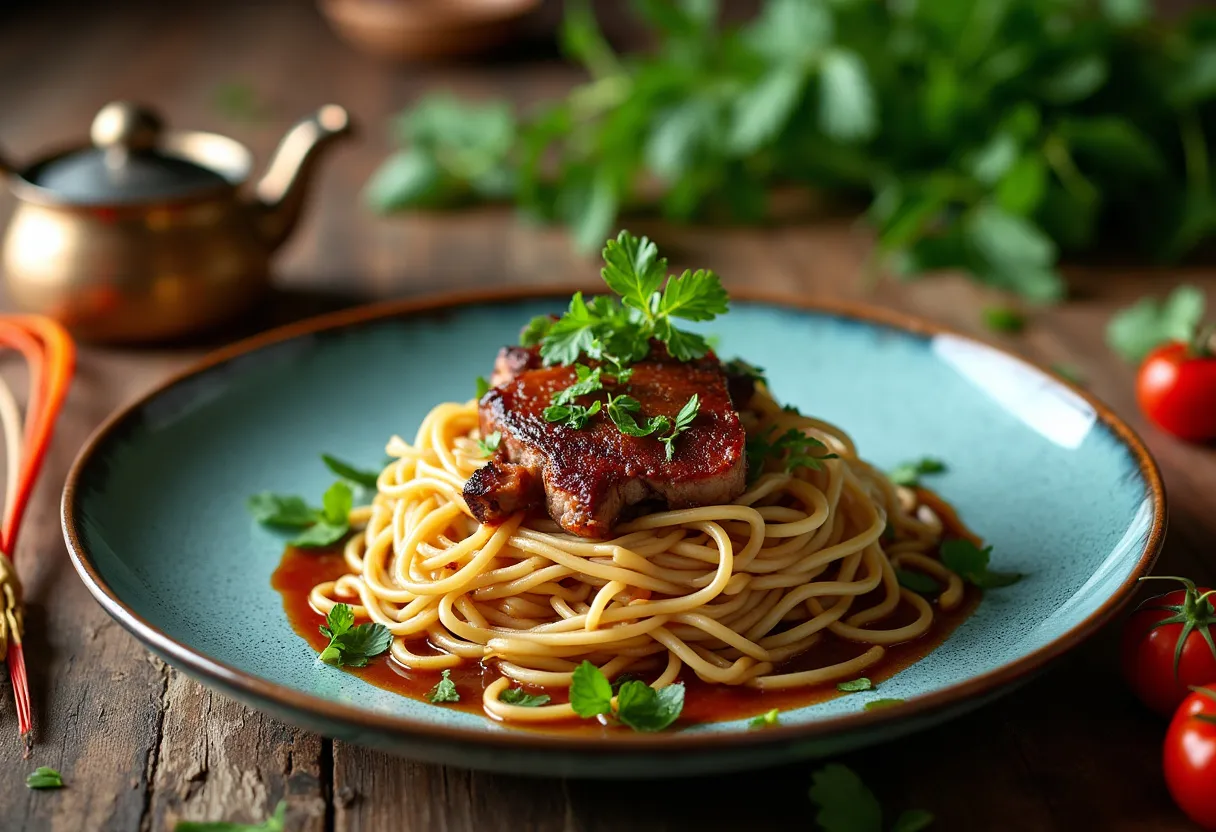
[(444, 690)]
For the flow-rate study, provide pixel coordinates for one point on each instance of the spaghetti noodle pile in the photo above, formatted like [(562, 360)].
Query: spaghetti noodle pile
[(729, 592)]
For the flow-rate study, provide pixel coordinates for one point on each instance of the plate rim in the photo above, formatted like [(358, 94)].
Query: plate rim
[(230, 678)]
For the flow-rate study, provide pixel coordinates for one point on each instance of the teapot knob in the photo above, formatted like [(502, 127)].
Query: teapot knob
[(125, 127)]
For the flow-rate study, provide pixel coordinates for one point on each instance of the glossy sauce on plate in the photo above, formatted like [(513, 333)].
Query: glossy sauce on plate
[(301, 569)]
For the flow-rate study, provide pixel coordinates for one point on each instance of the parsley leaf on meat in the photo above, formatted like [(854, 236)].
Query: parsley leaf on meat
[(589, 381), (483, 386), (444, 690), (684, 419), (367, 479), (909, 473), (352, 646), (574, 416), (622, 410), (520, 697), (535, 331), (970, 563)]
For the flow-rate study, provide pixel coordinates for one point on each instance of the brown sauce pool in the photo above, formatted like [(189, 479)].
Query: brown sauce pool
[(301, 570)]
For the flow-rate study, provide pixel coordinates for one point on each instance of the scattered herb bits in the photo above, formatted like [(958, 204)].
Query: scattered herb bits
[(909, 473), (444, 690), (520, 697), (766, 719), (970, 563), (351, 646), (44, 777), (855, 686), (638, 705)]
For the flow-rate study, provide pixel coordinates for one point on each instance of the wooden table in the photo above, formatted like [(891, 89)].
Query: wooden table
[(141, 746)]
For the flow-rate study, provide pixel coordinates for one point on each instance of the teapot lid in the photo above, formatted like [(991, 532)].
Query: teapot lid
[(125, 164)]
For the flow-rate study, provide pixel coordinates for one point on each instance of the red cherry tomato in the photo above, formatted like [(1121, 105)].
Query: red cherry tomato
[(1176, 389), (1190, 757), (1154, 667)]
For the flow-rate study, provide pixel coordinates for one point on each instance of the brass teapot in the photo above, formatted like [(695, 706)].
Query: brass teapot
[(145, 234)]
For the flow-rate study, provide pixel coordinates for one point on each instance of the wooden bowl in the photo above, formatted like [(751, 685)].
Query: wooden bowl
[(407, 30)]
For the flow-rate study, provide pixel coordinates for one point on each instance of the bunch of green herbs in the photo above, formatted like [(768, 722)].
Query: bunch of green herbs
[(991, 138)]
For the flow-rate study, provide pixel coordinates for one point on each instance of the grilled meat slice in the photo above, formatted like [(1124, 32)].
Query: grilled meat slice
[(591, 475)]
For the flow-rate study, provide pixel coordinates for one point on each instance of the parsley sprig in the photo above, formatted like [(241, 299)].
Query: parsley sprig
[(322, 526), (620, 331), (970, 563), (520, 697), (638, 705), (794, 449), (444, 690), (909, 473), (352, 646), (846, 804)]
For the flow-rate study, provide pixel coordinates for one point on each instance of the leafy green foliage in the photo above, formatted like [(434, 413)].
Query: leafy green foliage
[(638, 705), (352, 646), (619, 332), (1135, 331), (322, 526), (573, 416), (1004, 319), (490, 444), (793, 448), (367, 479), (766, 719), (970, 563), (909, 473), (520, 697), (918, 582), (275, 823), (590, 692), (991, 136), (483, 386), (855, 686), (444, 690), (684, 419), (875, 704), (44, 777)]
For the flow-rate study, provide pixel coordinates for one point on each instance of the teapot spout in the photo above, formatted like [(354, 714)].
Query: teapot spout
[(282, 189)]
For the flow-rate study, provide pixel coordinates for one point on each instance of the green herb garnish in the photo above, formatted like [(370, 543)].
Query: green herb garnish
[(909, 473), (44, 777), (917, 582), (574, 416), (638, 705), (520, 697), (875, 704), (322, 526), (684, 420), (739, 367), (855, 686), (794, 448), (275, 823), (367, 479), (490, 444), (588, 381), (766, 720), (444, 690), (846, 805), (623, 411), (1135, 331), (970, 563), (650, 300), (1004, 319), (352, 646)]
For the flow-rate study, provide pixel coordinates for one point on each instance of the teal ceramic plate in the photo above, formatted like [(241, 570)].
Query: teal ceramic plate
[(153, 514)]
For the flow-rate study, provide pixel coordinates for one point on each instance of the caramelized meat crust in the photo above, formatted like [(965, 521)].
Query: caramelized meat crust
[(586, 478)]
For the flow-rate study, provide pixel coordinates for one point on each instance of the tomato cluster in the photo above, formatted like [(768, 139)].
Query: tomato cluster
[(1169, 656)]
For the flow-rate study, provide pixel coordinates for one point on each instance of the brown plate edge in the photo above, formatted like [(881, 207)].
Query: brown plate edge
[(246, 683)]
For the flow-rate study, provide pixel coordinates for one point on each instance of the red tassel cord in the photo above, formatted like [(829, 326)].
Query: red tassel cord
[(51, 356)]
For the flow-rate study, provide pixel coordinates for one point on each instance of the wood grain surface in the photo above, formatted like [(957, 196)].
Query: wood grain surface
[(141, 746)]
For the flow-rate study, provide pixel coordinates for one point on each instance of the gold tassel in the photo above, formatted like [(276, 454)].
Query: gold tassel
[(11, 622)]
